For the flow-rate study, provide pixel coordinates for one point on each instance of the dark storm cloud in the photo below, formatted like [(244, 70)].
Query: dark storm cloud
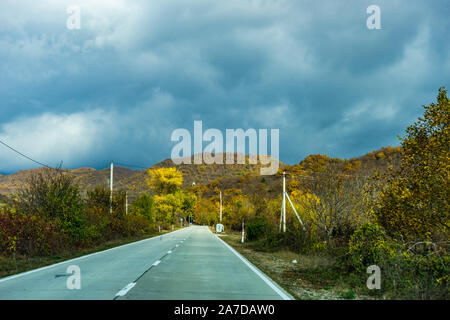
[(138, 70)]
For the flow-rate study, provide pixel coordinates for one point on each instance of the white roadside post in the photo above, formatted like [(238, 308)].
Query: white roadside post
[(243, 231), (126, 202)]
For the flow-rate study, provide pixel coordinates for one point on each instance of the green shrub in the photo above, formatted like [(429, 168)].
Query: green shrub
[(404, 274), (295, 239), (137, 226), (99, 197), (416, 276), (143, 206), (52, 195), (369, 245), (257, 229)]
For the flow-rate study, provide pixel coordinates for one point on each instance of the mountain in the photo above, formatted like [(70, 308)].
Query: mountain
[(225, 176), (135, 180)]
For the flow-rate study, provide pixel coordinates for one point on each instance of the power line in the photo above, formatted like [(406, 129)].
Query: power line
[(23, 155), (129, 165), (47, 166)]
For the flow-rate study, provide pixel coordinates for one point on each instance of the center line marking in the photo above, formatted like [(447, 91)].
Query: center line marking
[(124, 291), (156, 263)]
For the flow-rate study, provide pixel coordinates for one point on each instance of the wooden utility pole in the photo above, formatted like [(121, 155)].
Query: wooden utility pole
[(126, 202), (111, 187), (284, 201), (283, 207), (220, 205)]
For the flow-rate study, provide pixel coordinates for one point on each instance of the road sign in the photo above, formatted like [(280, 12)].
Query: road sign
[(219, 228)]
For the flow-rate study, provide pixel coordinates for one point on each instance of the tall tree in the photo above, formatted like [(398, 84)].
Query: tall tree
[(164, 180), (415, 200)]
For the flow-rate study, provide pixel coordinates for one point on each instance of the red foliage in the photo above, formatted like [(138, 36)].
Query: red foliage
[(27, 234)]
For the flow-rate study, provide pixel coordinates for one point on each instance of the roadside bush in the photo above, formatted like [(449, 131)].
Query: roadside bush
[(137, 226), (52, 195), (257, 229), (97, 221), (405, 274), (295, 239), (99, 197), (415, 276), (143, 206), (102, 224), (369, 245), (27, 234)]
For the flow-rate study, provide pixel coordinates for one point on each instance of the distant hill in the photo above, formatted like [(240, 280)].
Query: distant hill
[(240, 176), (135, 180)]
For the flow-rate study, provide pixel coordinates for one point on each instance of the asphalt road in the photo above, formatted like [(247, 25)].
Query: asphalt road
[(190, 263)]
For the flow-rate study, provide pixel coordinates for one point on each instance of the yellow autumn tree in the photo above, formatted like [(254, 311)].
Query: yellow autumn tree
[(306, 205), (205, 211), (169, 207), (164, 180), (414, 202)]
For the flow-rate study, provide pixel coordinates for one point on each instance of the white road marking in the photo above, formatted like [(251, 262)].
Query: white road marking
[(124, 291), (156, 263), (255, 270)]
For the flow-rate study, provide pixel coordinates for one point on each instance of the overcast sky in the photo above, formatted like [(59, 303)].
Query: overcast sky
[(136, 70)]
